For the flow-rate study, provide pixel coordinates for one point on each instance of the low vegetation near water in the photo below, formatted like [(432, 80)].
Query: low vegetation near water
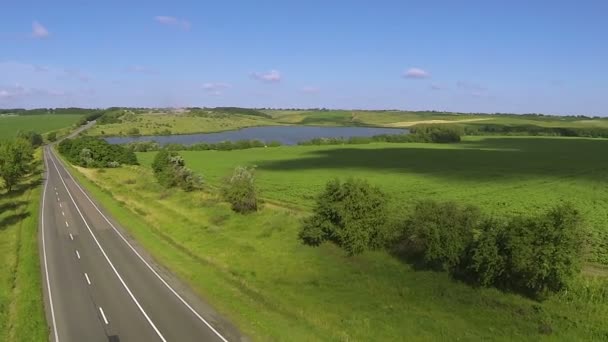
[(276, 288)]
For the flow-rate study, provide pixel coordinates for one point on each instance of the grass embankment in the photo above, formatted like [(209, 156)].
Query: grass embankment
[(22, 315), (254, 270), (155, 124), (10, 125)]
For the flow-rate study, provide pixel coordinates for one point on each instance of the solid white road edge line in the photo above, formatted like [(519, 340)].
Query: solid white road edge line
[(46, 267), (141, 309), (105, 320), (142, 259)]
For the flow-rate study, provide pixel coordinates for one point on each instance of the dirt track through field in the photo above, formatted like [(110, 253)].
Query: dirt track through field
[(412, 123)]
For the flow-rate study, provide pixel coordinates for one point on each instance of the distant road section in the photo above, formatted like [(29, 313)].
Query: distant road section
[(100, 286)]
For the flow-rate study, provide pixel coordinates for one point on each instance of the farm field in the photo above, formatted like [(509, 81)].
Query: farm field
[(501, 175), (254, 270), (21, 310), (10, 125)]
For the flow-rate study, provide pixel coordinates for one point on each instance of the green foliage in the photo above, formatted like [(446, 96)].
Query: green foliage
[(16, 156), (34, 138), (51, 137), (352, 214), (545, 252), (170, 171), (240, 191), (133, 131), (441, 232), (437, 133), (95, 152)]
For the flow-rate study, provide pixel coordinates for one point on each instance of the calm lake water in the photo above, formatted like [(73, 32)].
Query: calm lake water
[(287, 135)]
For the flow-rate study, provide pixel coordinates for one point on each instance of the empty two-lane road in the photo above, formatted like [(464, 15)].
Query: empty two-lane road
[(100, 286)]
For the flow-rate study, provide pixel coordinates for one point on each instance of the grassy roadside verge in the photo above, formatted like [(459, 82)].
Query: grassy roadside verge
[(254, 271), (22, 315)]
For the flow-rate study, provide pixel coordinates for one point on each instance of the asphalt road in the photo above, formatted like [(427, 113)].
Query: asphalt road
[(99, 285)]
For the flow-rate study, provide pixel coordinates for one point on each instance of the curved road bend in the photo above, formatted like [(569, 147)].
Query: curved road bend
[(100, 286)]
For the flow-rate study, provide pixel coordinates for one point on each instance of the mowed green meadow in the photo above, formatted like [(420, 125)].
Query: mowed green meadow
[(254, 270), (10, 125)]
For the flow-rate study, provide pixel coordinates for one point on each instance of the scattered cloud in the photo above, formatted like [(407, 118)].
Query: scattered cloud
[(18, 92), (271, 76), (173, 21), (140, 69), (416, 73), (437, 86), (311, 90), (39, 31), (215, 88), (40, 68)]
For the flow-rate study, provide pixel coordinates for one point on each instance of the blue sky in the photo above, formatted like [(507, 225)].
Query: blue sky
[(471, 56)]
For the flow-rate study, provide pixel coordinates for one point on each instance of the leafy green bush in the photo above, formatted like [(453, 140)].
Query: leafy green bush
[(16, 156), (239, 190), (52, 136), (170, 170), (35, 139), (94, 152), (441, 232), (352, 214)]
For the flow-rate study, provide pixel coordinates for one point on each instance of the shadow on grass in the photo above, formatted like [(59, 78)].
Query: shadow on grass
[(11, 220), (12, 206), (482, 160)]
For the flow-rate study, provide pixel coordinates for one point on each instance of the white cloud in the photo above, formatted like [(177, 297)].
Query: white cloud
[(76, 74), (437, 86), (39, 31), (215, 88), (270, 76), (471, 86), (416, 73), (173, 21)]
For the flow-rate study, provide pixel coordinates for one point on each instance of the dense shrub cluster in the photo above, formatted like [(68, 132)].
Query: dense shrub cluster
[(35, 139), (534, 255), (420, 134), (94, 152), (351, 214), (587, 132), (16, 156), (239, 190), (145, 146), (170, 170)]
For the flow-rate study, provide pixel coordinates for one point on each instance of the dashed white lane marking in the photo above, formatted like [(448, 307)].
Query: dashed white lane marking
[(71, 237), (66, 224), (46, 267), (88, 280), (60, 206), (62, 213), (136, 253), (77, 254), (105, 320), (103, 252)]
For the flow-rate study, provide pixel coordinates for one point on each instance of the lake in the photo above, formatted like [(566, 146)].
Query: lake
[(287, 135)]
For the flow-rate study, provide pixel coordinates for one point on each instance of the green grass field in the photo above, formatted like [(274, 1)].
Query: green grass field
[(21, 310), (254, 270), (10, 125), (155, 123), (501, 175)]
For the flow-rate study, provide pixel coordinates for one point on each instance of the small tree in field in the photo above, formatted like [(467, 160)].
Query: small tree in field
[(240, 191), (350, 214), (15, 160)]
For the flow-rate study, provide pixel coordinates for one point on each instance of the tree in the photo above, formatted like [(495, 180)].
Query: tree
[(545, 252), (239, 190), (441, 232), (35, 139), (170, 170), (15, 160), (350, 214)]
